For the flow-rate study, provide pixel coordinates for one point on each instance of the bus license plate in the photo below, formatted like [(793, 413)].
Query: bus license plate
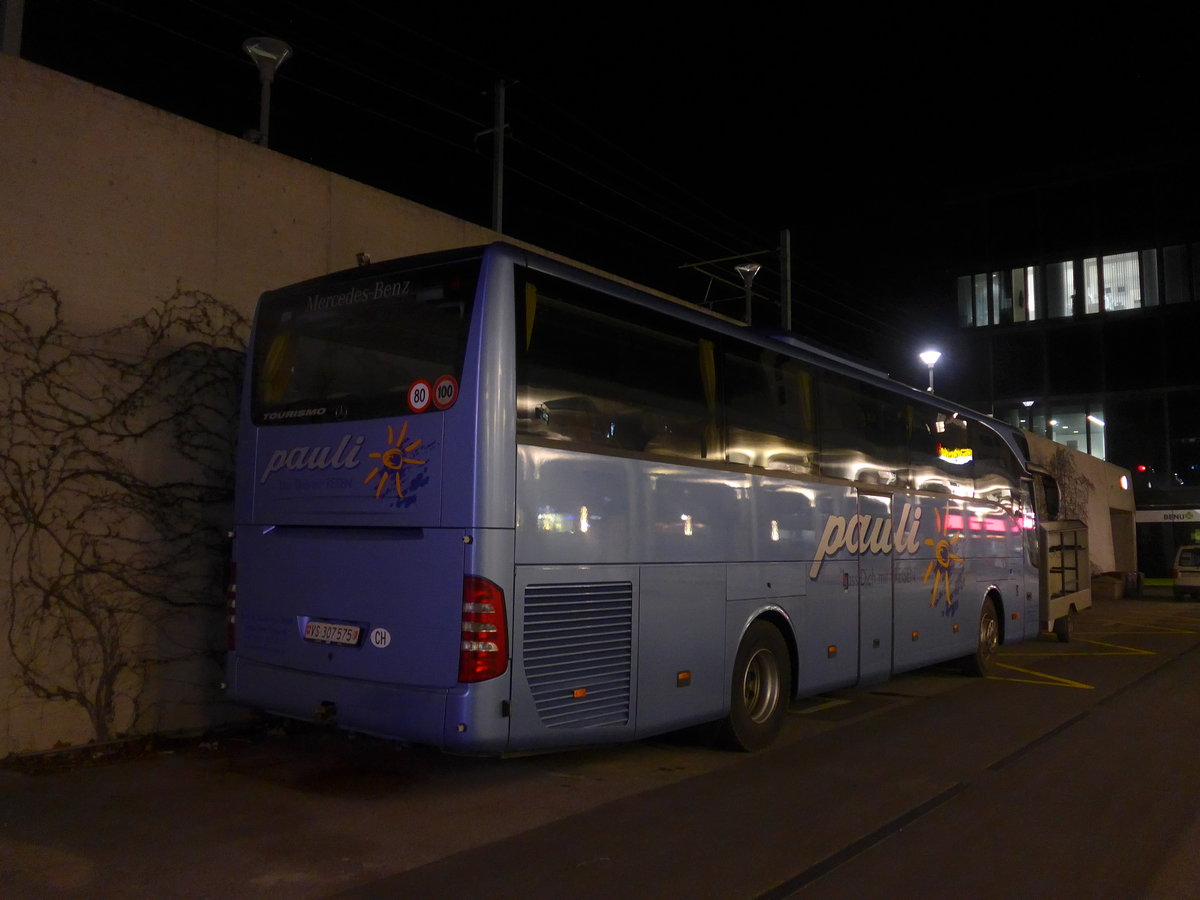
[(329, 633)]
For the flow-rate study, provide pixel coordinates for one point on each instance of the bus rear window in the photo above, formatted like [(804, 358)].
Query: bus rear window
[(362, 346)]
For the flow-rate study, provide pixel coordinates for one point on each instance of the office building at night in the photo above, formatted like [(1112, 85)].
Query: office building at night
[(1098, 351)]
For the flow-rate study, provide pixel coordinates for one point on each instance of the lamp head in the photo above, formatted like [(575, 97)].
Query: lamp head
[(268, 54)]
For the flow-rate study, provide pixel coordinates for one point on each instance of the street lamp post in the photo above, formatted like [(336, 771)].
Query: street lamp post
[(930, 358), (748, 271), (268, 54)]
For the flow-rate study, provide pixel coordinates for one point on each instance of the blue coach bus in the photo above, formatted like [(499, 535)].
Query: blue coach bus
[(489, 501)]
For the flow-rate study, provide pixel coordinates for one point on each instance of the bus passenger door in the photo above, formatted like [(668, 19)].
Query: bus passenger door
[(874, 588), (827, 624), (1027, 519)]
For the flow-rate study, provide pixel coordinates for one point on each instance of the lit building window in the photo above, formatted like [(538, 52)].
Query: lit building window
[(1080, 428), (981, 300), (1096, 426), (1122, 282), (1091, 287), (1031, 293)]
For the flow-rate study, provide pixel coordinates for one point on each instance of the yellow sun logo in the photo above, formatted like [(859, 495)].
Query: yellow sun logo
[(942, 558), (392, 461)]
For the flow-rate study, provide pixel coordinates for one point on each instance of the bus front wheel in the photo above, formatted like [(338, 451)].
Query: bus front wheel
[(760, 689), (982, 661)]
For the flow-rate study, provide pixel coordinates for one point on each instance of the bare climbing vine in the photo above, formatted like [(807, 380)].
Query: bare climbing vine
[(115, 477), (1074, 488)]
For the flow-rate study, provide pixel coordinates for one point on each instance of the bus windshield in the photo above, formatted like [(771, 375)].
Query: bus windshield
[(355, 347)]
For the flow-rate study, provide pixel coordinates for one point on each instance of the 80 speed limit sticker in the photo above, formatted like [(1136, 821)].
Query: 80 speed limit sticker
[(419, 395)]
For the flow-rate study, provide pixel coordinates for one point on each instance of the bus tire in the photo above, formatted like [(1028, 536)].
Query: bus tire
[(1062, 628), (982, 661), (760, 688)]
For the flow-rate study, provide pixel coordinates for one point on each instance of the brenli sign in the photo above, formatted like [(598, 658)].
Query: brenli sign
[(1183, 516)]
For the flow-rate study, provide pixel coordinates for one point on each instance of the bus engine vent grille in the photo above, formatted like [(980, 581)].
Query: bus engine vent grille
[(578, 652)]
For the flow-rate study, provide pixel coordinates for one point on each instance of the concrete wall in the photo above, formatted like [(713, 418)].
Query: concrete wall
[(116, 204), (115, 201), (1101, 495)]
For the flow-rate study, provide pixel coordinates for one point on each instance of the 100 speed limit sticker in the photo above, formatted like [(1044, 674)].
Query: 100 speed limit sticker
[(445, 391)]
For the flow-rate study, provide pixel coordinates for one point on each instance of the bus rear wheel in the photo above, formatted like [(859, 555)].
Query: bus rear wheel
[(760, 689), (982, 661)]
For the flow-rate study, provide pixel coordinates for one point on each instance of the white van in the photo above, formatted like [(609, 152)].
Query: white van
[(1187, 571)]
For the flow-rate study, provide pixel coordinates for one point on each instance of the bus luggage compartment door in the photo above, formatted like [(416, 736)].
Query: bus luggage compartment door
[(875, 599)]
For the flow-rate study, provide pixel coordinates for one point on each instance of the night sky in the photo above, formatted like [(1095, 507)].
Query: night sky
[(896, 148)]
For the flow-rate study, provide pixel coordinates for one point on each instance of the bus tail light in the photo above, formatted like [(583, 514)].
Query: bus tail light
[(231, 607), (484, 651)]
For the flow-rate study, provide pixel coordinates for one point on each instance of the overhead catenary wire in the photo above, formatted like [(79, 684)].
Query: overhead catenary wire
[(310, 48), (667, 215), (559, 114)]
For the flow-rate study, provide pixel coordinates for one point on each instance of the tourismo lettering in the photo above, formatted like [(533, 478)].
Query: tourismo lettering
[(868, 534), (344, 456), (294, 414)]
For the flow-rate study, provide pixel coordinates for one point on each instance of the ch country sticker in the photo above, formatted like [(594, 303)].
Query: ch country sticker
[(943, 559), (391, 462)]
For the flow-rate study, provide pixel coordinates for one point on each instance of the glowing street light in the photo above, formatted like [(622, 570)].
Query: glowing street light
[(930, 358)]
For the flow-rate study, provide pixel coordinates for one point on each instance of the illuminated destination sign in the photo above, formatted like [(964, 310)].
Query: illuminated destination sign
[(956, 456)]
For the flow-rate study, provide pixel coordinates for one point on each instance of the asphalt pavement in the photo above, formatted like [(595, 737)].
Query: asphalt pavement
[(1072, 775)]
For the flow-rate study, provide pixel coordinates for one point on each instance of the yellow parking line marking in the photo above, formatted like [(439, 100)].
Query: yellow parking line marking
[(1041, 678), (1158, 629), (1128, 651), (1118, 650), (821, 707)]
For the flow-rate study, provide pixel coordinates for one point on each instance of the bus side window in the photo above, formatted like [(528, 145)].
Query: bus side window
[(276, 369), (864, 433), (996, 474), (942, 459), (768, 410), (596, 371)]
